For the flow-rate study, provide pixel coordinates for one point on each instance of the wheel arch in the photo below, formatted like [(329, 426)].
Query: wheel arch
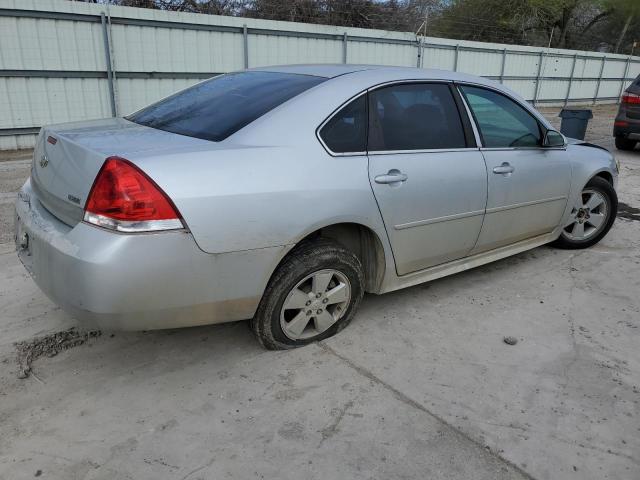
[(604, 174), (357, 238)]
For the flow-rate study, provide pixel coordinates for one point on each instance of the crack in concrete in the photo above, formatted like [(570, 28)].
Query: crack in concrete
[(200, 468), (418, 406)]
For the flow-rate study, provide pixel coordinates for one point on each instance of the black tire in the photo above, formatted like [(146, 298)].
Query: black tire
[(605, 188), (303, 261), (623, 143)]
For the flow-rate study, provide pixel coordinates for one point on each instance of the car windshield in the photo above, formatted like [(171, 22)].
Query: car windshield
[(217, 108)]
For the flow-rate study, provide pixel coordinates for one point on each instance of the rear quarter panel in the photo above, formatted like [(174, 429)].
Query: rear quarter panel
[(272, 182), (257, 197)]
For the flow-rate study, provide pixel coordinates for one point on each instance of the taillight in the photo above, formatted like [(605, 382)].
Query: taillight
[(125, 199), (630, 98)]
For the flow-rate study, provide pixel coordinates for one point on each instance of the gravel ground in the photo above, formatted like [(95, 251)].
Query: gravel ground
[(421, 385)]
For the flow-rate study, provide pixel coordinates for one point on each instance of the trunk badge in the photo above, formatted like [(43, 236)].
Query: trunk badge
[(44, 161)]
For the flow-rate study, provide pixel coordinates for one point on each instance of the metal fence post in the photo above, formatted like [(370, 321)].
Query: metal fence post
[(419, 61), (455, 58), (573, 69), (107, 55), (245, 40), (504, 61), (597, 92), (344, 47), (624, 77), (535, 92)]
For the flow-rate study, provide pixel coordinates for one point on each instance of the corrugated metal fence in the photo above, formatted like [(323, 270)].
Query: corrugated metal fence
[(63, 61)]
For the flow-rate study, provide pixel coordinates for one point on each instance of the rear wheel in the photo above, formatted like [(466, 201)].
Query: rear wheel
[(312, 295), (623, 143), (591, 217)]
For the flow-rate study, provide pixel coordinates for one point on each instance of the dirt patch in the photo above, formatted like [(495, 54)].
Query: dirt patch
[(49, 346), (628, 212)]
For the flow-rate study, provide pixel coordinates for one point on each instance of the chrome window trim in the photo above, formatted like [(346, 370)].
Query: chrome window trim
[(344, 154), (377, 86), (476, 132), (537, 149), (424, 150), (389, 152)]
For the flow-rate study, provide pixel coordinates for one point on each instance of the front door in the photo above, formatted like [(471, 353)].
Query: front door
[(429, 182), (528, 184)]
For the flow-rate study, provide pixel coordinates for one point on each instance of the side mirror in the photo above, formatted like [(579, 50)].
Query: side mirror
[(553, 139)]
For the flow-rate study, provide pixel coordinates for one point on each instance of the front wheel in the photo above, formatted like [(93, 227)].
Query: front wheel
[(312, 295), (591, 217)]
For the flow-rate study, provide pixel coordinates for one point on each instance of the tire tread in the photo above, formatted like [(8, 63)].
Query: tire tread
[(299, 262)]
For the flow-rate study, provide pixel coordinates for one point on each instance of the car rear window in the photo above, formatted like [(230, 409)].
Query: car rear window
[(217, 108)]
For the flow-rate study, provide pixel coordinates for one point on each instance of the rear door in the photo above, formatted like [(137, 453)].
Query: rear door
[(428, 177), (528, 183)]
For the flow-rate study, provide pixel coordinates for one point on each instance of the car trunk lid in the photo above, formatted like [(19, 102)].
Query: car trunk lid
[(68, 157)]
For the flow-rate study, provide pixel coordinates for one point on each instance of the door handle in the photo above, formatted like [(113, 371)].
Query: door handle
[(504, 169), (392, 177)]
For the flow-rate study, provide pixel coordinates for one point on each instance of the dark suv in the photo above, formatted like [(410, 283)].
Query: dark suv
[(626, 127)]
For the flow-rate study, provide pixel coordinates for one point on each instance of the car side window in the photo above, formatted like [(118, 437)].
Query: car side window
[(501, 121), (346, 132), (416, 116)]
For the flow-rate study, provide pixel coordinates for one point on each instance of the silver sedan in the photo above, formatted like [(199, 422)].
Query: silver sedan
[(283, 194)]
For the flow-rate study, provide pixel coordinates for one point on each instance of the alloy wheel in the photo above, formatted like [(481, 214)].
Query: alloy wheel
[(315, 304), (588, 217)]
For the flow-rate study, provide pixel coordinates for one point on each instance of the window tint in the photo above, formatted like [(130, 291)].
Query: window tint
[(347, 130), (414, 117), (502, 122), (217, 108)]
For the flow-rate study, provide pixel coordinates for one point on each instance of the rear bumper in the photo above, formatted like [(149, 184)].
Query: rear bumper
[(137, 282), (626, 127)]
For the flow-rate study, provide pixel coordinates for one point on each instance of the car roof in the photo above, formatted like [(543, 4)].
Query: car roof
[(391, 72), (344, 82), (318, 70)]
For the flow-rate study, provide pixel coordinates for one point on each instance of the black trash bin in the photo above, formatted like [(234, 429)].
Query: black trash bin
[(574, 122)]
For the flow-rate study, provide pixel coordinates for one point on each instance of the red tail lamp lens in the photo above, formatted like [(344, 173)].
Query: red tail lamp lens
[(631, 98), (123, 192)]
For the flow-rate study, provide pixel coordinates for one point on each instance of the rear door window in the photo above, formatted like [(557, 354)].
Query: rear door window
[(346, 132), (217, 108), (503, 123), (417, 116)]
